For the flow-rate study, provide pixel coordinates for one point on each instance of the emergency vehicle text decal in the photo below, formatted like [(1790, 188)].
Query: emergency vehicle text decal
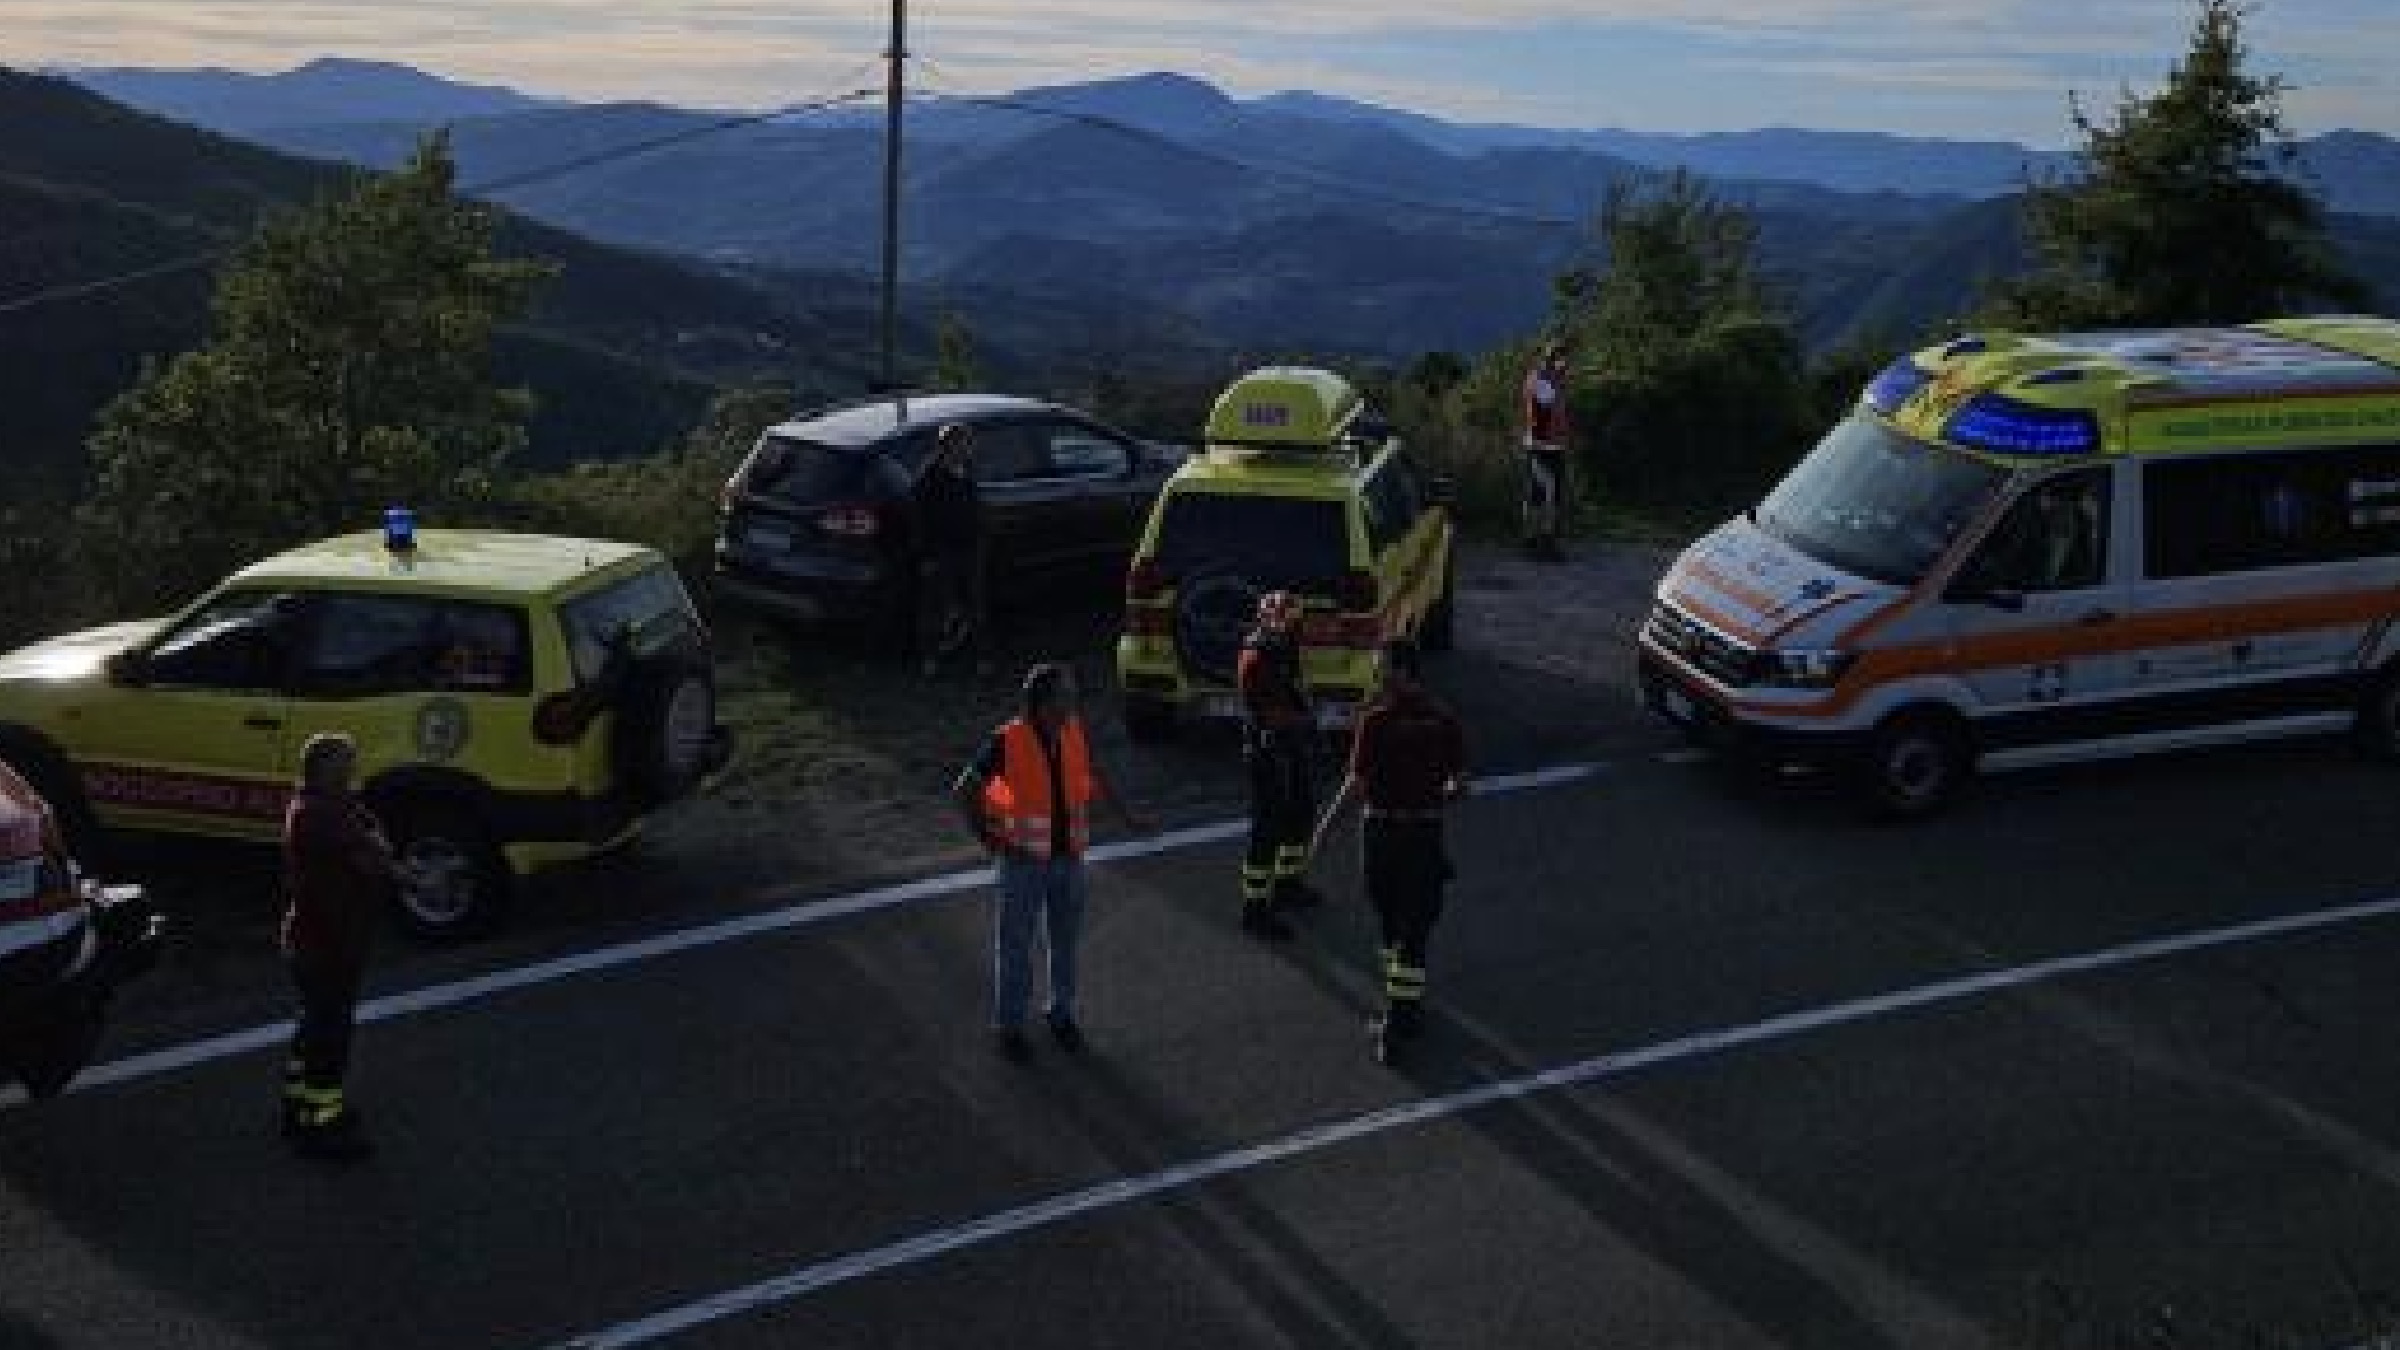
[(194, 794)]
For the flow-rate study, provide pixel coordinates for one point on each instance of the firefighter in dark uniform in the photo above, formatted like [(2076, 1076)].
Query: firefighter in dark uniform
[(339, 877), (1276, 741), (1408, 761)]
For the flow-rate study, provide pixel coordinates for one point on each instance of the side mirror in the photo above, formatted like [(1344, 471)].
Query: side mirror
[(129, 669)]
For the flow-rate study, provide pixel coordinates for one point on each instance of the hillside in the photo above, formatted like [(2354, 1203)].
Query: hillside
[(623, 349), (330, 89)]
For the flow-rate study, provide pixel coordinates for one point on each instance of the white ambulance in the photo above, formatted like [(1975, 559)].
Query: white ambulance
[(2026, 550)]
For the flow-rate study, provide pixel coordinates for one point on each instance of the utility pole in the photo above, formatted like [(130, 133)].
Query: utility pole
[(895, 87)]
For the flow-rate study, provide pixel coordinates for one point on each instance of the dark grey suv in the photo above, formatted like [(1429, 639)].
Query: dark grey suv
[(819, 522)]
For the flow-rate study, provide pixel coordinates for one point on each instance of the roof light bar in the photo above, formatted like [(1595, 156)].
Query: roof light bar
[(1896, 385), (2004, 426)]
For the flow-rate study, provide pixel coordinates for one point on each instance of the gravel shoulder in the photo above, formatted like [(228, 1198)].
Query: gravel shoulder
[(845, 762)]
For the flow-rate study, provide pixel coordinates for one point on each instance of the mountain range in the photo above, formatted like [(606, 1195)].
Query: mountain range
[(623, 349), (1081, 231), (1290, 222)]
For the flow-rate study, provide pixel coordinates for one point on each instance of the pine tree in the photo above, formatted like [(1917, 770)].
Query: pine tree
[(2187, 210), (347, 370)]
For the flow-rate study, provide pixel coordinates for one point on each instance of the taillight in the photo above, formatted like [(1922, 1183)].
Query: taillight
[(1358, 592), (562, 718), (851, 522), (1145, 580)]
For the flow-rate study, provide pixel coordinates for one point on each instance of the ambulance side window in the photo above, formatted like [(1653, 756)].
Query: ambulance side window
[(2055, 538), (2239, 513)]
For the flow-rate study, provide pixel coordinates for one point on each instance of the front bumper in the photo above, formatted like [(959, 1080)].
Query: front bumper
[(1706, 719)]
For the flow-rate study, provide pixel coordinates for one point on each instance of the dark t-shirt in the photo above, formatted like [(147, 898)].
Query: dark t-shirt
[(992, 763), (1271, 682), (1407, 748), (949, 512)]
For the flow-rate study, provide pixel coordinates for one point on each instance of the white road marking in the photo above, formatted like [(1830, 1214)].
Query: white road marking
[(435, 997), (1122, 1191)]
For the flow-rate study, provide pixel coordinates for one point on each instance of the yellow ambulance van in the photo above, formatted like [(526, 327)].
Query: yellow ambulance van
[(2025, 550)]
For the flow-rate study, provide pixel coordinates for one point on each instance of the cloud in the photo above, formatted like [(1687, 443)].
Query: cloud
[(2001, 66)]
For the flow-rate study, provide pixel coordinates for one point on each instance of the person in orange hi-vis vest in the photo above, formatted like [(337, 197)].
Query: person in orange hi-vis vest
[(1028, 797)]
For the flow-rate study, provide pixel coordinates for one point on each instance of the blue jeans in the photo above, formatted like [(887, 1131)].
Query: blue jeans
[(1051, 889)]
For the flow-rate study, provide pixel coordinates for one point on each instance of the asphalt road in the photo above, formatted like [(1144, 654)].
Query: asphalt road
[(1822, 1084)]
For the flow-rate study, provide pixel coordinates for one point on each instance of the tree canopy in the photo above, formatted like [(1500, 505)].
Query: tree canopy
[(348, 369), (2188, 209)]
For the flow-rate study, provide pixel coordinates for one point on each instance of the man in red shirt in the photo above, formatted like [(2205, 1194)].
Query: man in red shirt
[(339, 876), (1548, 436), (1409, 761)]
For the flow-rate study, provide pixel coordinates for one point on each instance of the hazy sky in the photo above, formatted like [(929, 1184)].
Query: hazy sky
[(1962, 68)]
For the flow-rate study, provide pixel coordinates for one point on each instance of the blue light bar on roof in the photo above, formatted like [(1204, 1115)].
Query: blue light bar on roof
[(400, 530), (2004, 426), (1898, 383)]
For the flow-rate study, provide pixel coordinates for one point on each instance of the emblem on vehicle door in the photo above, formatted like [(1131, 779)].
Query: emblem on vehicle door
[(442, 729)]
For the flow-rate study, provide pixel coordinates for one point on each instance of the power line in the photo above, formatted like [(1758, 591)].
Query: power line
[(1303, 173), (483, 188), (531, 177)]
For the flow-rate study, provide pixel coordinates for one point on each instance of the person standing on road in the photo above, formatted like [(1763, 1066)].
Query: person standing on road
[(950, 529), (1408, 761), (339, 877), (1028, 798), (1277, 736), (1547, 438)]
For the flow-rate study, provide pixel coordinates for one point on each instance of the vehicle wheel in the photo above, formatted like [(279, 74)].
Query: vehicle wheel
[(1914, 765), (55, 779), (52, 1055), (454, 883), (1440, 630), (664, 721), (1213, 610), (1149, 721), (2377, 730)]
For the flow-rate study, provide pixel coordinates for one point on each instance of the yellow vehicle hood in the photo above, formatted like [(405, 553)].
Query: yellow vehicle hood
[(75, 656)]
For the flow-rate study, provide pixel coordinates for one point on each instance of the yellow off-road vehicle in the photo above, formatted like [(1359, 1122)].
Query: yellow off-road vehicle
[(518, 701), (1299, 487)]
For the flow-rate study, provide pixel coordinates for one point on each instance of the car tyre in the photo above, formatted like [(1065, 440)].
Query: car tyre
[(52, 1054), (454, 883), (1913, 766), (665, 719), (2376, 733), (1440, 630), (1149, 721)]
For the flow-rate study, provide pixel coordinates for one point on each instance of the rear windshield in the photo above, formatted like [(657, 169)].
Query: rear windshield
[(650, 610), (795, 470), (1270, 541)]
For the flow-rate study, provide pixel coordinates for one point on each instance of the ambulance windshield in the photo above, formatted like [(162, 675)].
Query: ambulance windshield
[(1875, 503)]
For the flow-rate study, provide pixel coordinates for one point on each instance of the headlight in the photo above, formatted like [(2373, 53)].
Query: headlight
[(20, 879), (1804, 669)]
